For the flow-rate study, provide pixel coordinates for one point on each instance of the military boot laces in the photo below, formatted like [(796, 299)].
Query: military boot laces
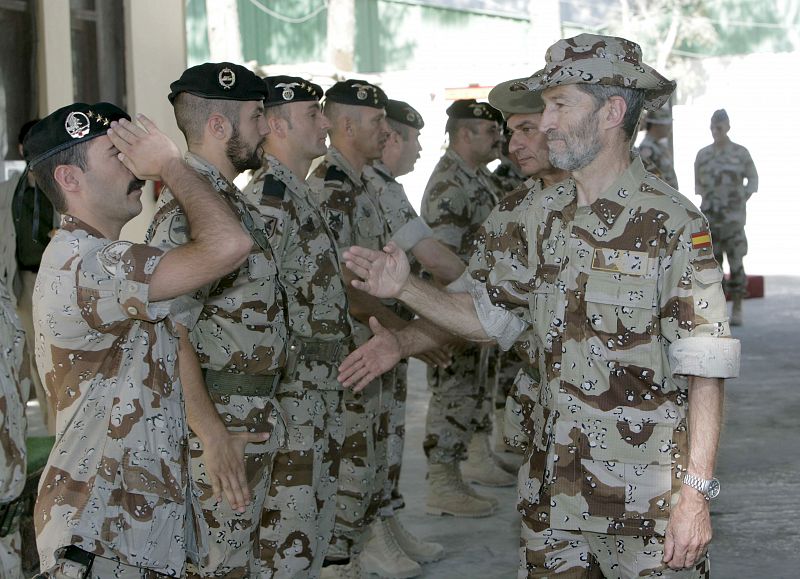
[(420, 551), (448, 494), (482, 465), (383, 556)]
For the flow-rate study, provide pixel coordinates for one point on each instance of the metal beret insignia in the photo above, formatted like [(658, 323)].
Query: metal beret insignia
[(77, 125), (226, 78)]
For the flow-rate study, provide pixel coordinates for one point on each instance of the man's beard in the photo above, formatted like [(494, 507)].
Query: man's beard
[(239, 155), (581, 144)]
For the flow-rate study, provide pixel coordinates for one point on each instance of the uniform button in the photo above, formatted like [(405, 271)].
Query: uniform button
[(132, 310)]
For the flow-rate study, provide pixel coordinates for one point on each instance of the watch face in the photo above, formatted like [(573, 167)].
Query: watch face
[(713, 488)]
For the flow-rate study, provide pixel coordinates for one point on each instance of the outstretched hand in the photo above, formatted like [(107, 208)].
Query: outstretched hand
[(224, 462), (379, 355), (383, 273), (144, 150)]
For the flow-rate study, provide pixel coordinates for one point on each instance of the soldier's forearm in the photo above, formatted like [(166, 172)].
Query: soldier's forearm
[(705, 420), (201, 414), (420, 336), (455, 312)]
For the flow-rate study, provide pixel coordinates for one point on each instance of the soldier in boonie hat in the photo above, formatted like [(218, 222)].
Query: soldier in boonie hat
[(605, 60)]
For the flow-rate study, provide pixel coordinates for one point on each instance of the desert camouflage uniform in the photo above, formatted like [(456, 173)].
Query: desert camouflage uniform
[(506, 176), (457, 200), (657, 159), (240, 340), (610, 290), (406, 229), (116, 481), (299, 513), (719, 176), (352, 214), (14, 390)]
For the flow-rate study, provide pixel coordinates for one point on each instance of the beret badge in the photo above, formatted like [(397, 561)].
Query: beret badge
[(77, 125), (226, 78)]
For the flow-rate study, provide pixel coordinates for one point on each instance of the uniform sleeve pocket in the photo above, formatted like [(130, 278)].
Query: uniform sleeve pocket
[(707, 276)]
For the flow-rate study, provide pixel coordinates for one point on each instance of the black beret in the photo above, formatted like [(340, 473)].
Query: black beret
[(472, 109), (68, 126), (219, 80), (290, 89), (404, 113), (357, 92)]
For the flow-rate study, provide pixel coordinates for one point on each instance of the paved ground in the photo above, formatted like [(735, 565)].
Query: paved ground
[(757, 516)]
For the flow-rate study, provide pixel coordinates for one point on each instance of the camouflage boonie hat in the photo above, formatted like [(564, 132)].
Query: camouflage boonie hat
[(512, 97), (607, 60), (662, 116), (404, 113)]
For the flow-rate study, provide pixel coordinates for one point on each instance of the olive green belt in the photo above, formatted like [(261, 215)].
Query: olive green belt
[(227, 383)]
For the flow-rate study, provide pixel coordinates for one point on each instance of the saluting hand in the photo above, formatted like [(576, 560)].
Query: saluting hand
[(144, 150)]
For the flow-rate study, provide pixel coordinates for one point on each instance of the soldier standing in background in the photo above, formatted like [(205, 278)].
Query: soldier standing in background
[(611, 275), (14, 390), (725, 177), (299, 513), (109, 316), (240, 336), (389, 540), (654, 148), (507, 176), (458, 198)]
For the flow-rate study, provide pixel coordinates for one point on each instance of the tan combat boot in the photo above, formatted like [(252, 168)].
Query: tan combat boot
[(736, 312), (383, 556), (350, 571), (448, 494), (420, 551), (482, 466)]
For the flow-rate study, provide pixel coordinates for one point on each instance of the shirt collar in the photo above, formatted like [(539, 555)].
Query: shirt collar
[(460, 163), (334, 157), (286, 175), (218, 180), (72, 223), (611, 202)]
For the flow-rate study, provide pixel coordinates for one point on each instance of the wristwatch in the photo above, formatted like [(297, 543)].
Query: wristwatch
[(708, 488)]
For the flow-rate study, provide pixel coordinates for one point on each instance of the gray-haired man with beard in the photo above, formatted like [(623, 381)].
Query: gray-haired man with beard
[(608, 281)]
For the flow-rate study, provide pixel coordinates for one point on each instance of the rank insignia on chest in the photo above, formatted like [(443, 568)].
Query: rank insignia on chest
[(701, 240)]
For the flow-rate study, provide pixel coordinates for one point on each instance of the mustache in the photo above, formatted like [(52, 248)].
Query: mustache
[(136, 184)]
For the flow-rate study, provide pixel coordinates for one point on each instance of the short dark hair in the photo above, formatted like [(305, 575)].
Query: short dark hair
[(634, 99), (192, 112), (43, 173), (279, 112), (454, 125)]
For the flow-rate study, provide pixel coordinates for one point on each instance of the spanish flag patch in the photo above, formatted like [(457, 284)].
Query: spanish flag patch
[(701, 240)]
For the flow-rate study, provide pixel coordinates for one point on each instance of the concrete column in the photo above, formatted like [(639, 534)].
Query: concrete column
[(155, 55), (54, 55)]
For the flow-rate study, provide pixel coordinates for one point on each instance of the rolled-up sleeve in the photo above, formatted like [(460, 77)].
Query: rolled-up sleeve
[(693, 315)]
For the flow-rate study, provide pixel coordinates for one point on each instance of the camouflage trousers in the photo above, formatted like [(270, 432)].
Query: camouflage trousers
[(299, 512), (728, 239), (460, 403), (102, 568), (364, 469), (549, 553), (230, 538), (10, 561), (394, 400)]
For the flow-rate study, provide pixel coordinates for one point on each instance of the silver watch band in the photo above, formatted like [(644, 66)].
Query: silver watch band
[(708, 488)]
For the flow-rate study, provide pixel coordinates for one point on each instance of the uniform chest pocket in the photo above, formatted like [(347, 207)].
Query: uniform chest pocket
[(369, 229), (546, 311), (621, 315)]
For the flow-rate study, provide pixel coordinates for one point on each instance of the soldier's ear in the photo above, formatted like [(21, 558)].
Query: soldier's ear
[(218, 126), (612, 114), (68, 177)]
